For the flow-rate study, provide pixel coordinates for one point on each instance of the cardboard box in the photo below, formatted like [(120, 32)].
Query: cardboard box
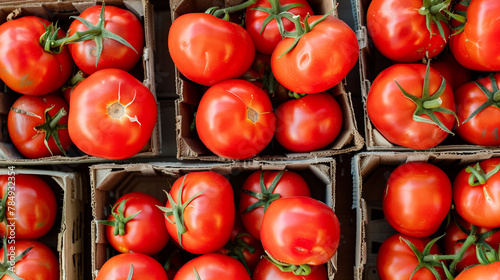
[(67, 235), (370, 172), (110, 181), (189, 145), (61, 11)]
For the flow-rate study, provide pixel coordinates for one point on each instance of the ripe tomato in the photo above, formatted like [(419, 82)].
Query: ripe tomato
[(34, 204), (212, 266), (300, 230), (267, 37), (396, 114), (476, 194), (112, 115), (195, 201), (142, 267), (481, 272), (115, 54), (39, 263), (399, 30), (261, 188), (308, 123), (454, 73), (38, 126), (235, 119), (477, 47), (417, 198), (266, 270), (207, 49), (137, 225), (321, 58), (481, 127)]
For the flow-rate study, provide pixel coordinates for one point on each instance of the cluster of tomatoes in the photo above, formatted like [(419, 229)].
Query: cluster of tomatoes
[(282, 49), (274, 230), (106, 111)]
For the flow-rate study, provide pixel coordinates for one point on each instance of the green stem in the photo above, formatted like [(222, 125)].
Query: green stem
[(222, 12), (431, 104), (57, 117)]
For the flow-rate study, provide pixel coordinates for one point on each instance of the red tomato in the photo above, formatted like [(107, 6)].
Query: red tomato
[(308, 123), (114, 54), (478, 203), (112, 115), (321, 59), (70, 86), (481, 272), (266, 38), (270, 185), (481, 128), (212, 267), (198, 199), (300, 230), (30, 208), (399, 30), (394, 114), (454, 73), (478, 46), (207, 49), (142, 266), (266, 270), (395, 259), (39, 263), (38, 126), (25, 66), (145, 232), (235, 119), (417, 198)]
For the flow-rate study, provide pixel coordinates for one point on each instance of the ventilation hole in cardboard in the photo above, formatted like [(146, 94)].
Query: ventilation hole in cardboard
[(375, 247), (376, 214)]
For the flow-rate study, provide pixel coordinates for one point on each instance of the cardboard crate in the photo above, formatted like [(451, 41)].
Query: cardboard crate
[(370, 172), (67, 235), (111, 181), (189, 146), (61, 11)]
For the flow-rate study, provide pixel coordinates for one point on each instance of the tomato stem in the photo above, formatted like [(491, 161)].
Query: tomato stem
[(50, 127), (224, 12), (303, 269), (6, 267), (120, 220), (492, 95), (276, 12), (266, 195), (130, 272), (235, 249), (477, 176), (433, 12)]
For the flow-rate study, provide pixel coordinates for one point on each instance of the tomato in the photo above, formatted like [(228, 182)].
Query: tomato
[(477, 47), (417, 198), (261, 188), (38, 126), (25, 66), (207, 49), (212, 267), (39, 263), (142, 267), (137, 225), (300, 230), (266, 270), (478, 111), (454, 73), (481, 272), (267, 37), (195, 201), (320, 60), (114, 54), (398, 118), (399, 30), (112, 115), (395, 259), (476, 194), (308, 123), (235, 119), (34, 203), (70, 86)]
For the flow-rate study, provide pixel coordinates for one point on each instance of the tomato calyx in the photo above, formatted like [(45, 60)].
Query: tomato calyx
[(235, 249), (120, 220), (196, 274), (493, 97), (460, 16), (266, 196), (75, 80), (432, 10), (302, 269), (130, 272), (50, 36), (477, 176), (276, 12), (224, 12), (7, 266)]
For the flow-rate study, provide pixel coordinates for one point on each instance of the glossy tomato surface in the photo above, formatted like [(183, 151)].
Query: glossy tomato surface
[(212, 266), (143, 267), (481, 272)]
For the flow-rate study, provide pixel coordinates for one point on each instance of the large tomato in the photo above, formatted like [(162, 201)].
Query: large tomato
[(477, 47), (320, 60), (30, 208), (399, 30), (417, 198), (141, 266), (300, 230), (25, 66), (235, 119), (308, 123), (38, 126), (481, 272), (411, 106), (476, 193), (112, 115), (114, 53), (212, 266), (200, 212), (266, 270)]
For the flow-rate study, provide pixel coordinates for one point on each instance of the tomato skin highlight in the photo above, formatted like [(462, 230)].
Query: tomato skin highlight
[(212, 266), (144, 267)]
